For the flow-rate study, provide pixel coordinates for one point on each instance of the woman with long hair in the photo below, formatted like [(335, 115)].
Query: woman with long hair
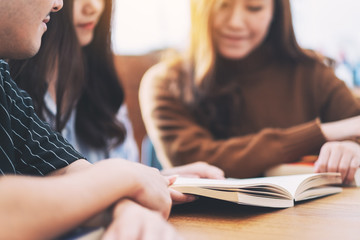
[(77, 89), (245, 97)]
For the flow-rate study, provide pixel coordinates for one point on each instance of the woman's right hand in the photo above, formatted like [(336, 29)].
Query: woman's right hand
[(152, 189), (140, 183)]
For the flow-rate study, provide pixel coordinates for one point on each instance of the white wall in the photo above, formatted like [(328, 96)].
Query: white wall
[(141, 26)]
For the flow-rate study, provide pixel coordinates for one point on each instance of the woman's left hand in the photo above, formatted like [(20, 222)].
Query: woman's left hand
[(197, 170)]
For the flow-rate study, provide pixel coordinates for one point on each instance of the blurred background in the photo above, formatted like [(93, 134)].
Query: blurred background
[(328, 26)]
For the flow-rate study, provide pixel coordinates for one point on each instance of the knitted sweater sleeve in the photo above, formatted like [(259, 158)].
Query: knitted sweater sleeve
[(333, 98), (179, 139)]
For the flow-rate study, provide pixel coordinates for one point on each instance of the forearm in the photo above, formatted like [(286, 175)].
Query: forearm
[(32, 209), (42, 208), (179, 138), (343, 129), (243, 156), (78, 165)]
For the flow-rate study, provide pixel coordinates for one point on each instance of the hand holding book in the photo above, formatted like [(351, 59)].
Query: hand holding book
[(342, 157)]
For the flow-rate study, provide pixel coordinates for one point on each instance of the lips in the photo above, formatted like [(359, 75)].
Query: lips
[(233, 40), (234, 37), (47, 19), (87, 26)]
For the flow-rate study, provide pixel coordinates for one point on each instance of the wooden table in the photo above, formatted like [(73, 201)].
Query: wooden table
[(332, 217)]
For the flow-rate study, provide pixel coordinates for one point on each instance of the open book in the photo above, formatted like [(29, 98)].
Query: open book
[(276, 192)]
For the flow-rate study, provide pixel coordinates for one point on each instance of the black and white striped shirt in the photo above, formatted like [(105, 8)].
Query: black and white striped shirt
[(28, 145)]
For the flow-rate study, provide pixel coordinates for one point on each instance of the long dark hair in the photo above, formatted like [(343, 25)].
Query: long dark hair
[(86, 77), (282, 36)]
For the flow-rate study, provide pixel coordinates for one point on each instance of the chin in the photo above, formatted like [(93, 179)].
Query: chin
[(235, 54), (84, 41), (34, 49), (24, 53)]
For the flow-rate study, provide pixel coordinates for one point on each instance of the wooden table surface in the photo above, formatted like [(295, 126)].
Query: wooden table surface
[(332, 217)]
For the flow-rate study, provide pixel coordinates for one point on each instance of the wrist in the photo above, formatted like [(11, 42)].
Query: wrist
[(121, 206), (336, 131), (355, 147), (131, 174), (120, 176)]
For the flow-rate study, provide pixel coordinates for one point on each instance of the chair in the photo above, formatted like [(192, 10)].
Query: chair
[(130, 70)]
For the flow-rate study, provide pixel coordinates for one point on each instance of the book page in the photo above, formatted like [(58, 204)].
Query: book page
[(287, 183), (303, 168), (280, 191), (290, 183)]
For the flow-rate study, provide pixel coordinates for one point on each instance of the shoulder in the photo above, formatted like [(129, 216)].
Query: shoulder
[(162, 77), (7, 84), (314, 70), (316, 63), (163, 72), (318, 73)]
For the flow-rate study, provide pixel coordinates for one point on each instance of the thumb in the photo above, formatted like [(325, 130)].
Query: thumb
[(171, 179)]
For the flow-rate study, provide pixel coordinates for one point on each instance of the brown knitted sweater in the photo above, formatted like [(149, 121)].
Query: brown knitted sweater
[(283, 104)]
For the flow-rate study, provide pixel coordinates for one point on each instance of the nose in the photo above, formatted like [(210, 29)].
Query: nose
[(237, 18), (92, 6), (58, 4)]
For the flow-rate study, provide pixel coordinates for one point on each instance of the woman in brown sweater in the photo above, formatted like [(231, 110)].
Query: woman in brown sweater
[(245, 97)]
